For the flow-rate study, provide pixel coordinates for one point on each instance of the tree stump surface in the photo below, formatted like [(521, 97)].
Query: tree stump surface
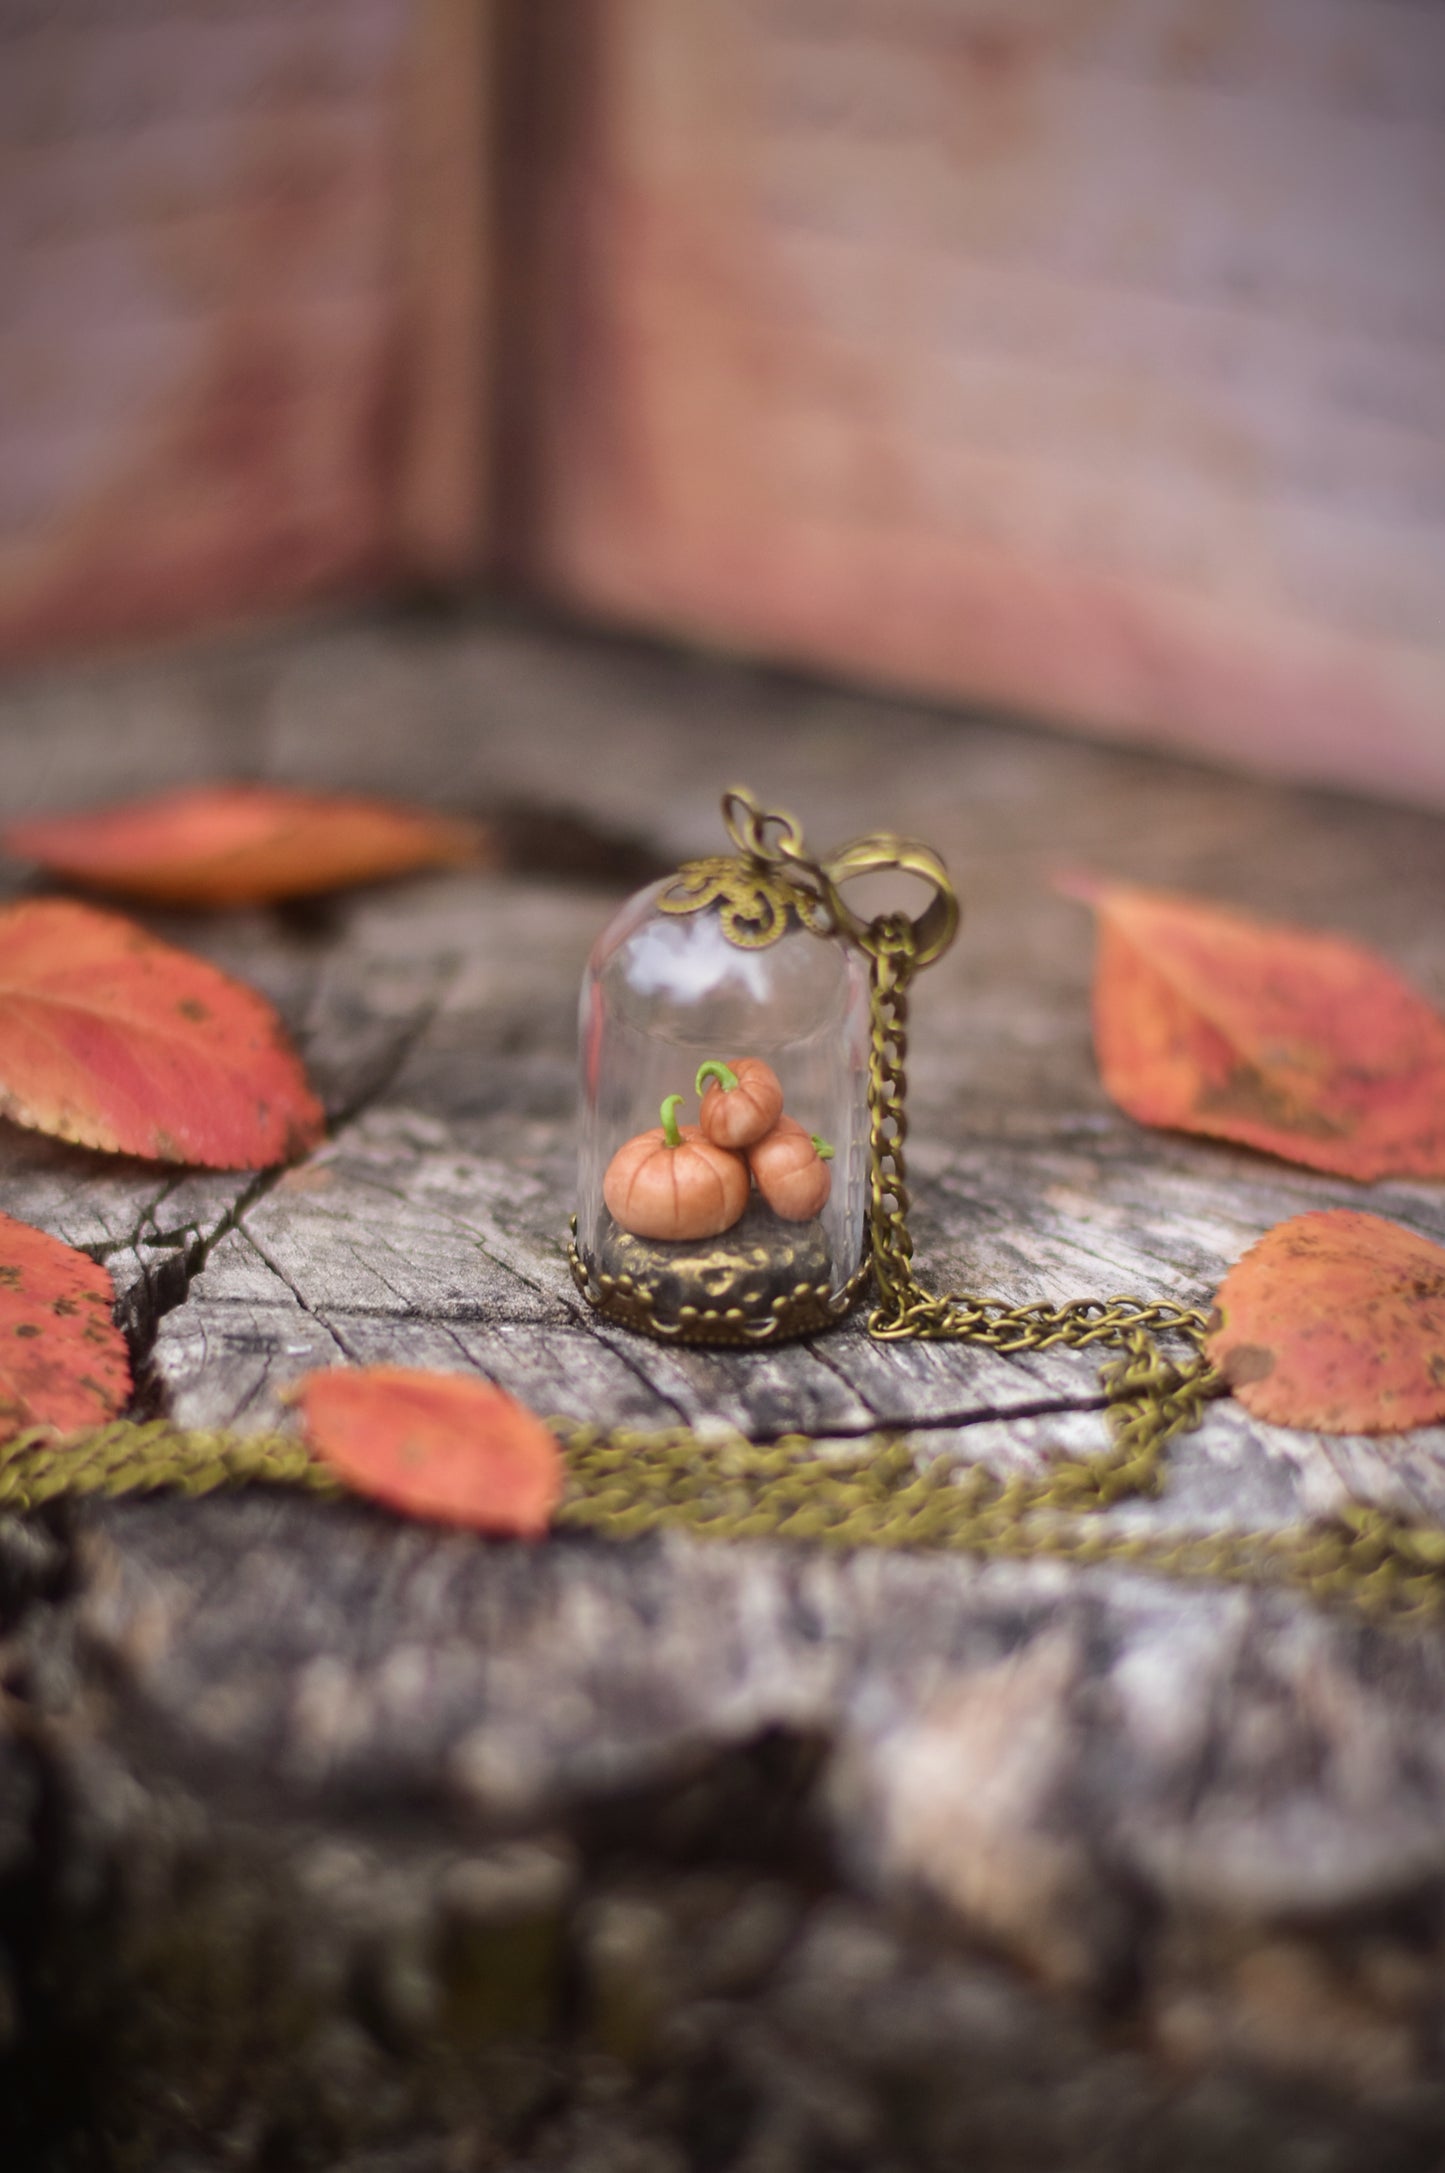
[(327, 1839)]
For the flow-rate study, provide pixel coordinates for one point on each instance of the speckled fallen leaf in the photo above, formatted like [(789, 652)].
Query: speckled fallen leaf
[(1307, 1045), (63, 1362), (438, 1445), (1336, 1321), (241, 844), (113, 1040)]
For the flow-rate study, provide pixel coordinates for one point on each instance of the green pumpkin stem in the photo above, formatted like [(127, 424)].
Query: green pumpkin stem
[(670, 1133), (821, 1148), (725, 1078)]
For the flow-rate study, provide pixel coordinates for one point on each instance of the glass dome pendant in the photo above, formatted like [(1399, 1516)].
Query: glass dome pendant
[(728, 1175)]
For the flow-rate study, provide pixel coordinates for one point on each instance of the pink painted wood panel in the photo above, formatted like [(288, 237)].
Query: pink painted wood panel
[(1082, 355), (212, 349)]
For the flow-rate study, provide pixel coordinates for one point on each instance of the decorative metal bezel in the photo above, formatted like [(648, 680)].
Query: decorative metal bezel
[(756, 906), (805, 1310)]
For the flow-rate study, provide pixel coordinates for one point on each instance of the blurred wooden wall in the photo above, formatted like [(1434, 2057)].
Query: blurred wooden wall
[(1086, 356), (243, 343)]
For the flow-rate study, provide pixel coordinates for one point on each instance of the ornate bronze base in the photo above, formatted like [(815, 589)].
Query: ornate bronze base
[(763, 1281)]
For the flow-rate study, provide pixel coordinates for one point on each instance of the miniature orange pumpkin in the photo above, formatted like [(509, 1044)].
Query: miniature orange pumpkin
[(672, 1182), (791, 1167), (742, 1101)]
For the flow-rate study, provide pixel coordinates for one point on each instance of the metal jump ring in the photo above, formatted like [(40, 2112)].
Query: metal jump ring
[(934, 928)]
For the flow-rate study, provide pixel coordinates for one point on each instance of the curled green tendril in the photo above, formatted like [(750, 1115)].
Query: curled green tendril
[(726, 1078), (672, 1137)]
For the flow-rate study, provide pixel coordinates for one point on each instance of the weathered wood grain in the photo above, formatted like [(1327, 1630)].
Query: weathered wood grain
[(668, 1854), (1206, 1827)]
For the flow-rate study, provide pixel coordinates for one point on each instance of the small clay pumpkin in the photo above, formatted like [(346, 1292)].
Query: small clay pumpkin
[(742, 1101), (671, 1182), (791, 1167)]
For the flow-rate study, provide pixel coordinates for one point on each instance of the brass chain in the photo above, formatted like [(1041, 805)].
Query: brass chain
[(130, 1457), (625, 1484), (874, 1492), (1379, 1562), (906, 1310)]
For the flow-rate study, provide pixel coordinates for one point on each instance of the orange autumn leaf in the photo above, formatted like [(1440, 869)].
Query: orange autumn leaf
[(113, 1040), (228, 845), (1307, 1045), (63, 1362), (439, 1445), (1336, 1320)]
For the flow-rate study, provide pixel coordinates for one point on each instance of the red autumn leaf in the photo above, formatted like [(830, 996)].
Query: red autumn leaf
[(114, 1040), (1307, 1045), (220, 845), (63, 1362), (439, 1445), (1336, 1320)]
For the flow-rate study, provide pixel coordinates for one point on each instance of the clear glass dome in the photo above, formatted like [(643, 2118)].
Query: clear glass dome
[(668, 992)]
